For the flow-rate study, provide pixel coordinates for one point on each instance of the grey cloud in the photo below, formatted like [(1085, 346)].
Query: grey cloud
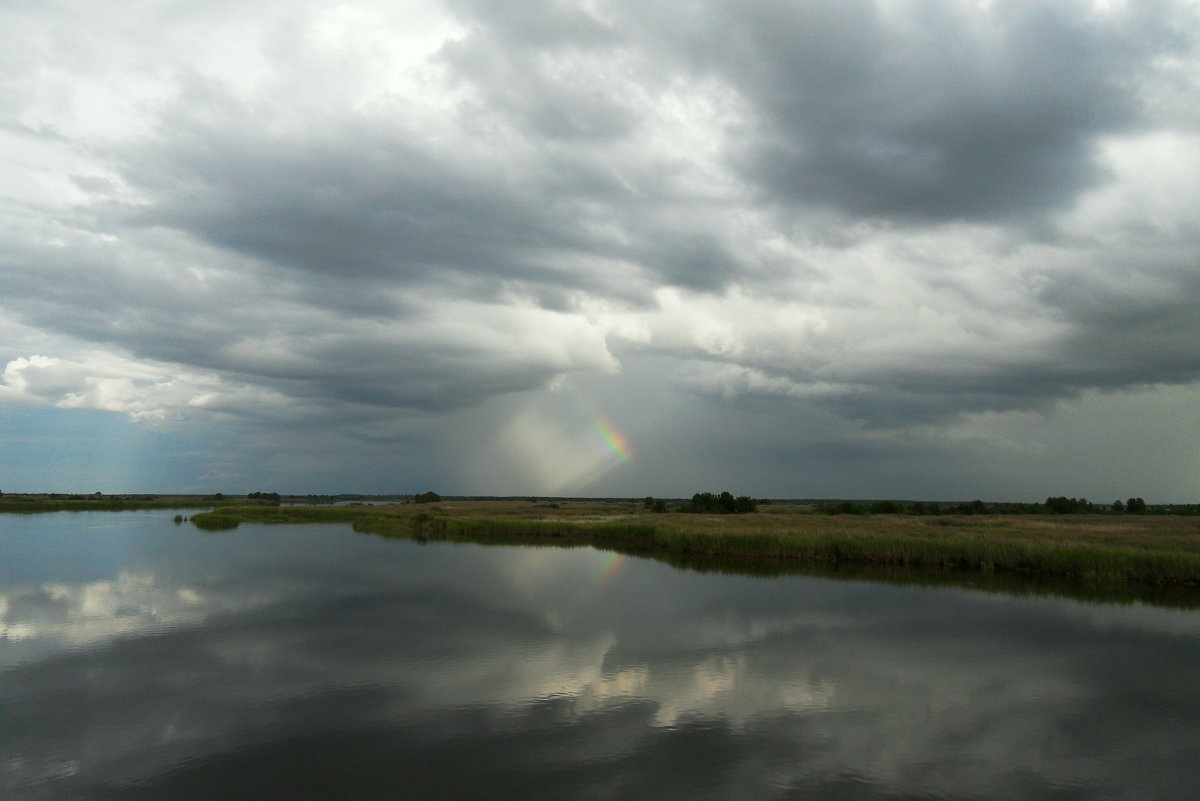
[(370, 205), (350, 203), (365, 200), (441, 356), (510, 56), (94, 183), (1135, 349), (931, 111), (539, 24), (1124, 338), (362, 261)]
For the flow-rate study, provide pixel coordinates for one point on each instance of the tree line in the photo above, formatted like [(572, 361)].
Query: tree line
[(1058, 504), (723, 503)]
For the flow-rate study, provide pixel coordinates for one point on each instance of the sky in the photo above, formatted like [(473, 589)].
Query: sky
[(928, 249)]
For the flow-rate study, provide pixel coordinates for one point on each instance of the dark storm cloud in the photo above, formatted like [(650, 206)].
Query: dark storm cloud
[(534, 183), (928, 111), (365, 200), (924, 112), (439, 356), (1121, 339), (354, 202)]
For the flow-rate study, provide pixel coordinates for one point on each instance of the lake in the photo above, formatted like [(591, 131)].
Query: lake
[(140, 659)]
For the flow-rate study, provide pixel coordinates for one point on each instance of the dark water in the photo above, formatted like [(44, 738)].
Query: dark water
[(141, 660)]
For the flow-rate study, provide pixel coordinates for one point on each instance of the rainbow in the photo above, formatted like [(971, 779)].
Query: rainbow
[(608, 569), (614, 440)]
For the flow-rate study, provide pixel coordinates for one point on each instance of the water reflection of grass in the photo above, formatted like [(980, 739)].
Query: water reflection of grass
[(1158, 550), (1181, 596)]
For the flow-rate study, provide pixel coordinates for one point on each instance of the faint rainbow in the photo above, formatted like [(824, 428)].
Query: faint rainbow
[(612, 438), (612, 563)]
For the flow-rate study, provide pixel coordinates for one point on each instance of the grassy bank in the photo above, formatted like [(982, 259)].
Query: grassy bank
[(1160, 550), (31, 504)]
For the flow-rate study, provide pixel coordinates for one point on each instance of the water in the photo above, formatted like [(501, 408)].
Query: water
[(144, 660)]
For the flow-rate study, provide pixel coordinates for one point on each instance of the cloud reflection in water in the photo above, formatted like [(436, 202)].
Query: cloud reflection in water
[(357, 667)]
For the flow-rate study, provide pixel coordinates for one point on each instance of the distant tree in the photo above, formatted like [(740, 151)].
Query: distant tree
[(704, 502), (660, 506), (1117, 506), (648, 503), (1063, 505), (427, 497), (744, 504), (725, 503), (884, 508), (1135, 505)]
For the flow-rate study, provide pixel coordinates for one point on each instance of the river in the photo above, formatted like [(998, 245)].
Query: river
[(140, 659)]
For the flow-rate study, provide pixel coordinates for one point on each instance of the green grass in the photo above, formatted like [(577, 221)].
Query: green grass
[(213, 521), (1159, 550)]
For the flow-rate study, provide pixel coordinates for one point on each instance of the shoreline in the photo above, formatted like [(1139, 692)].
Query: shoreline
[(1159, 550)]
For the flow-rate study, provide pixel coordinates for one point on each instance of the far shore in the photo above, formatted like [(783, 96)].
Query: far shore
[(31, 503), (1133, 550), (1121, 549)]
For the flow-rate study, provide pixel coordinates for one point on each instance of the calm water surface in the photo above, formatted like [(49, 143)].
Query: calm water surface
[(144, 660)]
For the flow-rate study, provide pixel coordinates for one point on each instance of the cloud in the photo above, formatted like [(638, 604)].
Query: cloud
[(933, 111), (898, 214), (112, 383), (448, 355)]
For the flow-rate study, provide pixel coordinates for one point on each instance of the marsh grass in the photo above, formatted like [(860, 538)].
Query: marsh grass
[(1097, 549), (214, 521), (33, 505)]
